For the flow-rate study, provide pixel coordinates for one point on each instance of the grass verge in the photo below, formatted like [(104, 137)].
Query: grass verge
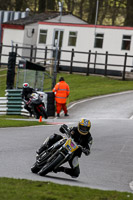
[(5, 121), (14, 189), (88, 86), (82, 86), (3, 82)]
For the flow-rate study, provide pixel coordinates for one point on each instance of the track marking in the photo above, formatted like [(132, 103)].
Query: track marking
[(99, 97), (131, 117), (131, 185)]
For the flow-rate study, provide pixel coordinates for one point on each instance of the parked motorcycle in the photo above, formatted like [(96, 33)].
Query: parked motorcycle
[(37, 106), (56, 155)]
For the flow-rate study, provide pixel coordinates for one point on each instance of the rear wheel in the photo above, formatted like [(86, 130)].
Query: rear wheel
[(44, 114), (51, 165)]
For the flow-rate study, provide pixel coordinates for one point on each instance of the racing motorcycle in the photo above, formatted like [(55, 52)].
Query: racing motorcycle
[(56, 155), (37, 106)]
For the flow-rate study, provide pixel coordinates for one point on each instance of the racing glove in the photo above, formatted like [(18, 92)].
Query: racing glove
[(86, 151), (64, 128)]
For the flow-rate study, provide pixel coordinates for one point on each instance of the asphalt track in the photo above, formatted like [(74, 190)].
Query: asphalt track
[(110, 165)]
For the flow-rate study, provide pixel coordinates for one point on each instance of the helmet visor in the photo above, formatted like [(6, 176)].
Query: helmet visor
[(84, 129)]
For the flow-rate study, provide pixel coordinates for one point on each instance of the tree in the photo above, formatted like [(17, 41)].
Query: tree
[(110, 12), (129, 13), (42, 6), (18, 5), (6, 5), (51, 5)]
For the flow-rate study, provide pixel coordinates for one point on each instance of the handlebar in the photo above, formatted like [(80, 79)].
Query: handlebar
[(66, 130), (80, 147)]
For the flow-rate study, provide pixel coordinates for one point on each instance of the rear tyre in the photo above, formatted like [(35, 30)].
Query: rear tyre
[(44, 114), (51, 165)]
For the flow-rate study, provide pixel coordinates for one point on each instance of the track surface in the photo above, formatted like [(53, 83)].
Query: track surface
[(110, 165)]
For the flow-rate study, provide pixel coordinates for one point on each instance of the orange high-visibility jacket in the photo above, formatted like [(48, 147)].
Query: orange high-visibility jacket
[(61, 91)]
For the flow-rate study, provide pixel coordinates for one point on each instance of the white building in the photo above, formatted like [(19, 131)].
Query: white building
[(72, 33), (6, 16)]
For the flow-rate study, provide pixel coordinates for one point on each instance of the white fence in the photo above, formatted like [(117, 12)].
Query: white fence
[(3, 105)]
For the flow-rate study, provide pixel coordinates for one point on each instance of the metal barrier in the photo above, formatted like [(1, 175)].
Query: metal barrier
[(14, 103), (3, 105)]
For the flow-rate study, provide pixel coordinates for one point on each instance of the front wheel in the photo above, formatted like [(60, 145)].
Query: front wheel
[(51, 165), (35, 169)]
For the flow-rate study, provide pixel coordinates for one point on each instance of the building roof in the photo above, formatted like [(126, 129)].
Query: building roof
[(47, 16), (68, 18), (33, 18)]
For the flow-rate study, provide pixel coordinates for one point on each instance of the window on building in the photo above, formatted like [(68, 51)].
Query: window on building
[(126, 42), (42, 36), (72, 38), (58, 36), (99, 40)]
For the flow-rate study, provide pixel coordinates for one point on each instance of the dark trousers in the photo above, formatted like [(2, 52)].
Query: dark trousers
[(28, 108)]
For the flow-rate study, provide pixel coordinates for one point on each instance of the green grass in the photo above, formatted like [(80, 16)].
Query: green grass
[(82, 86), (2, 82), (14, 116), (14, 189), (3, 72), (15, 121), (19, 123)]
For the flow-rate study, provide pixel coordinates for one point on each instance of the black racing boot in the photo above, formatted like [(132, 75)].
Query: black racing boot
[(59, 169)]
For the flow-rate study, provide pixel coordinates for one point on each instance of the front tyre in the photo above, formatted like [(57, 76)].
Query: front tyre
[(51, 165), (35, 169)]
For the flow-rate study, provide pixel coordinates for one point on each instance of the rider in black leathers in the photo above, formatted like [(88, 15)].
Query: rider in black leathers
[(81, 136), (26, 93)]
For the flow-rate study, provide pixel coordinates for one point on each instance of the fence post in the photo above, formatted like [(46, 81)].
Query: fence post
[(95, 59), (0, 53), (45, 55), (71, 64), (35, 54), (124, 67), (11, 70), (16, 49), (58, 59), (31, 53), (88, 65), (106, 63)]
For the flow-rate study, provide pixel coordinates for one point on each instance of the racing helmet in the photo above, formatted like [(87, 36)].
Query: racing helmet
[(25, 85), (84, 126)]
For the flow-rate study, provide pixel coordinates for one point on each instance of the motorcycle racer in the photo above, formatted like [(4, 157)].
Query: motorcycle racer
[(82, 136), (26, 93), (35, 103)]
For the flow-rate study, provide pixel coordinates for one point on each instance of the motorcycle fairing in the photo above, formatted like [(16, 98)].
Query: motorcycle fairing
[(70, 145)]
